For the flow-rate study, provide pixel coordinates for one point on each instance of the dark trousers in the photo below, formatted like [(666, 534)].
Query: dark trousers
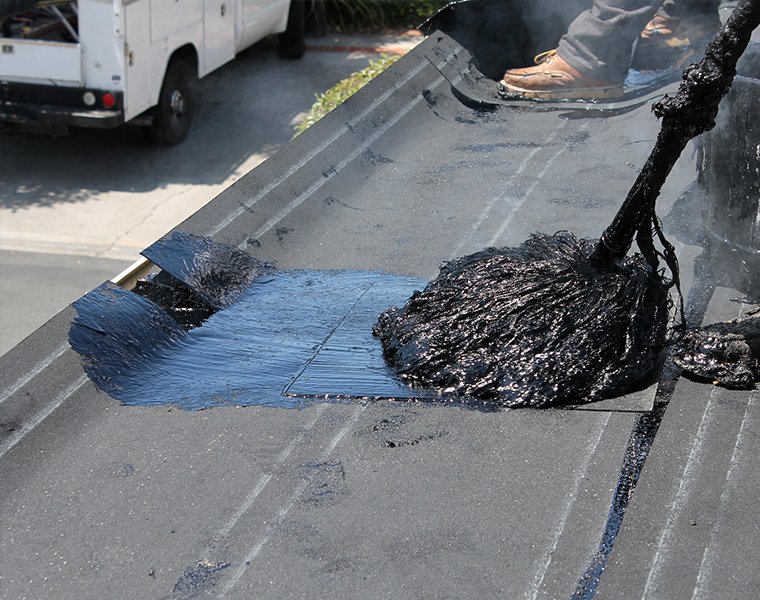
[(599, 42)]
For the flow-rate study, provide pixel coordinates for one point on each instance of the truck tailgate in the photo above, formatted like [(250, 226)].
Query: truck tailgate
[(35, 60)]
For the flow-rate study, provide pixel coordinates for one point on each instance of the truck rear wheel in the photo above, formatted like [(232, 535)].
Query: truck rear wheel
[(293, 39), (173, 114)]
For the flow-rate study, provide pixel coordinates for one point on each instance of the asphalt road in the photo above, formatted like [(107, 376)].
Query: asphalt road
[(77, 210)]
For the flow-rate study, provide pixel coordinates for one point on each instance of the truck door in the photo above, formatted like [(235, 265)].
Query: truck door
[(256, 19), (218, 33), (137, 90)]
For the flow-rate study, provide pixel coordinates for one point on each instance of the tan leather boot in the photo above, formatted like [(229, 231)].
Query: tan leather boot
[(554, 79), (667, 43)]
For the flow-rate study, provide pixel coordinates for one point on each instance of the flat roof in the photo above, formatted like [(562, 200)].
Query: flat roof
[(388, 498)]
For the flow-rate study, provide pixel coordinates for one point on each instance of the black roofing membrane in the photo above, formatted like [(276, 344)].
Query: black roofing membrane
[(388, 498), (264, 349)]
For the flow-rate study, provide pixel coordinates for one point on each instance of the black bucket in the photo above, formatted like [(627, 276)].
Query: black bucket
[(732, 177)]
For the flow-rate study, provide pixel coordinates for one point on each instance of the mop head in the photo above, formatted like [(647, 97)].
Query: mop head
[(535, 325)]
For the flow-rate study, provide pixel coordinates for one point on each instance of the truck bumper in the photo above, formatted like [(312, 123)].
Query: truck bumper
[(32, 104)]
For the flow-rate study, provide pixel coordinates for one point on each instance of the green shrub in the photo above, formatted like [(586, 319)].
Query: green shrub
[(366, 15), (374, 15), (343, 90)]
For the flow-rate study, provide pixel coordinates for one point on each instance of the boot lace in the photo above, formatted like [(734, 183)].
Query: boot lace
[(545, 57)]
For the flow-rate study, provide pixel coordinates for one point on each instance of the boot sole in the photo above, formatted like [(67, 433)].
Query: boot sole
[(605, 93)]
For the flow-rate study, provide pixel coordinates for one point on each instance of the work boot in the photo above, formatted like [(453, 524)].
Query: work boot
[(673, 43), (554, 79)]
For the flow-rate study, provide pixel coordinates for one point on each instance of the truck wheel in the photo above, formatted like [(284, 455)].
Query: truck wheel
[(293, 39), (173, 114)]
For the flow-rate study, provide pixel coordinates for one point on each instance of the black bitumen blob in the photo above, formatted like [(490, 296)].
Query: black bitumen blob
[(217, 273), (725, 353), (178, 300), (198, 580), (536, 325)]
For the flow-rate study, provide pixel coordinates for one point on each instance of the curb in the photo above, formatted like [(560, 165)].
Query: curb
[(359, 49)]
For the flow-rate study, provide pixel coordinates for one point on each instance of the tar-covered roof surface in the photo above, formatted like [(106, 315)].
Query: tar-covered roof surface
[(383, 498)]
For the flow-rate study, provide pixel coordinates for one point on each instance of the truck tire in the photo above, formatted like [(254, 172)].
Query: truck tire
[(293, 39), (173, 114)]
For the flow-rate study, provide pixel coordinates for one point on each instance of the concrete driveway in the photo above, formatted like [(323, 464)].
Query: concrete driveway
[(77, 210)]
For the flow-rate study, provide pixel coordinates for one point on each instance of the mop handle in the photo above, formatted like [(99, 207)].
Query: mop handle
[(689, 113)]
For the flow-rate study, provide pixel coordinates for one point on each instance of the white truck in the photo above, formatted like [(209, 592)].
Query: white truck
[(101, 63)]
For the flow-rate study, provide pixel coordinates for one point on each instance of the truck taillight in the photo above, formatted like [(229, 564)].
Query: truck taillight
[(108, 100)]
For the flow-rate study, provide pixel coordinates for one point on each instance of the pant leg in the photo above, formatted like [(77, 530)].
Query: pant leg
[(679, 9), (599, 42)]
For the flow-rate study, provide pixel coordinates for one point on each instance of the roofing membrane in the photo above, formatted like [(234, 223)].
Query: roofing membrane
[(381, 498)]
